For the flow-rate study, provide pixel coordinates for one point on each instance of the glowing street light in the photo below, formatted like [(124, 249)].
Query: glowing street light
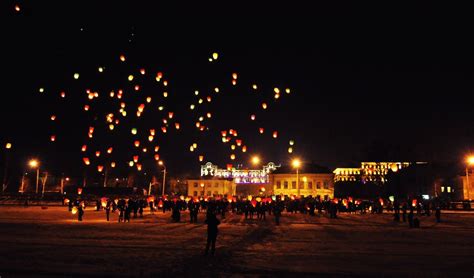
[(35, 164), (255, 160), (161, 163), (296, 163)]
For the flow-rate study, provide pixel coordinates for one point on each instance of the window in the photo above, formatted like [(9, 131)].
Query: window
[(195, 184), (448, 188), (326, 185), (442, 188), (216, 184), (293, 185), (310, 185), (301, 184), (285, 184), (195, 193), (278, 185), (318, 185)]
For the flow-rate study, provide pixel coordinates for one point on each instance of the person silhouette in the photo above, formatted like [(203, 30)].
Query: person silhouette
[(212, 231)]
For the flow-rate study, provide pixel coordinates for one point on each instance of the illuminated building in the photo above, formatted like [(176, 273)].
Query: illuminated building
[(208, 187), (375, 172), (313, 181)]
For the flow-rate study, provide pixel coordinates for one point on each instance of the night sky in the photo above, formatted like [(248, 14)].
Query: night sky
[(386, 83)]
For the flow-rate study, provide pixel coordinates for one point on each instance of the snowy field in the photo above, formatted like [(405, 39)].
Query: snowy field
[(36, 242)]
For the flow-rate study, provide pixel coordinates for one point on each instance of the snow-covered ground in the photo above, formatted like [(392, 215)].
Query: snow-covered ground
[(36, 242)]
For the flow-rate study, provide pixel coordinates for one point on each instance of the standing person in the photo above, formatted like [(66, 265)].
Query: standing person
[(438, 214), (80, 212), (212, 231), (107, 210), (404, 212), (277, 213)]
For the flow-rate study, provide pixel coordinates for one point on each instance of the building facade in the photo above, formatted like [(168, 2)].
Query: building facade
[(375, 172), (211, 187), (467, 187), (309, 184)]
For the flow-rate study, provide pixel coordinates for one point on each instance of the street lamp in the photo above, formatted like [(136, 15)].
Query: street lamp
[(470, 162), (161, 163), (35, 164), (255, 160), (296, 163)]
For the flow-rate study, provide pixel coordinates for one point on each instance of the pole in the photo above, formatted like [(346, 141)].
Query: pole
[(62, 185), (164, 179), (37, 178), (44, 184), (467, 184), (23, 183), (298, 182), (5, 173)]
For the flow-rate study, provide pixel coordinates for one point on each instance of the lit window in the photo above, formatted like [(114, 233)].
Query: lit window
[(278, 186), (285, 184), (215, 193), (318, 185), (195, 193), (195, 184), (293, 185), (216, 185), (448, 189), (310, 185), (442, 188), (326, 185)]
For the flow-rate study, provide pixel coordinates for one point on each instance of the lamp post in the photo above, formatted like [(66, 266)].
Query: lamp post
[(35, 164), (161, 163), (296, 164), (470, 162), (8, 146)]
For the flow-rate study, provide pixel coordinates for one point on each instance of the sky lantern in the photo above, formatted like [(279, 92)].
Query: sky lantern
[(112, 164), (137, 87), (191, 148), (224, 140), (195, 145), (229, 167), (201, 118), (165, 94), (216, 89), (122, 58), (261, 130), (277, 96), (165, 83), (150, 138), (17, 8), (254, 86), (292, 142), (100, 168), (139, 167), (41, 90), (244, 149), (100, 69), (157, 148), (130, 77), (109, 150), (163, 128), (111, 127), (227, 139), (8, 146), (198, 124), (239, 142), (112, 94), (202, 128), (142, 71), (134, 131), (209, 98), (234, 82), (176, 125), (264, 105), (53, 138), (252, 117), (170, 115), (135, 158), (97, 153), (137, 143), (90, 135), (196, 92), (131, 163), (160, 108), (231, 131), (232, 156), (165, 121), (90, 96), (224, 133), (86, 160), (152, 132), (157, 157), (215, 55), (76, 76), (234, 75), (159, 74), (191, 107), (232, 147), (91, 129), (275, 134), (148, 99), (144, 150), (200, 101), (201, 158), (53, 117), (209, 115), (63, 94), (287, 90), (276, 90), (290, 150)]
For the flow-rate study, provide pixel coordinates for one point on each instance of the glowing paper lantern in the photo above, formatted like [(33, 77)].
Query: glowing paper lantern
[(232, 156), (135, 158), (137, 143), (76, 76), (252, 117), (170, 115), (148, 99), (201, 119), (157, 157), (215, 55), (100, 168), (165, 94), (163, 128), (101, 69), (144, 150), (8, 146), (275, 134), (112, 94), (209, 115), (17, 8), (264, 105), (254, 86), (53, 138), (276, 90), (134, 131), (191, 149), (200, 101), (195, 145), (142, 71), (86, 160), (137, 87), (201, 158), (139, 167), (53, 117), (97, 153), (112, 164), (288, 90), (191, 107), (232, 147), (150, 138), (165, 83), (261, 130), (229, 167), (209, 99), (74, 209), (159, 75), (41, 90), (63, 94), (292, 142), (122, 58), (244, 149), (109, 150), (198, 124), (111, 127), (196, 92), (160, 108), (234, 75), (239, 142), (290, 150), (131, 163), (176, 125), (216, 89), (130, 77), (157, 148), (234, 82), (277, 96)]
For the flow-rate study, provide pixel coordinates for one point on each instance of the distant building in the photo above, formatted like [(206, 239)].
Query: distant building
[(375, 172), (207, 187), (313, 180)]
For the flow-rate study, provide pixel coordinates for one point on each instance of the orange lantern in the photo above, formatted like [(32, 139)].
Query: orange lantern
[(84, 148), (79, 190), (53, 138), (150, 138), (234, 82), (176, 125), (252, 117), (157, 148), (239, 142), (97, 153), (137, 87), (261, 130), (170, 115), (63, 94), (232, 156), (152, 132), (229, 167), (163, 128), (142, 71), (244, 149), (109, 150), (157, 157), (201, 158), (100, 168), (264, 105), (112, 164), (159, 75), (139, 167), (234, 75), (86, 107), (224, 133), (86, 160), (275, 134), (137, 143), (135, 158), (122, 58)]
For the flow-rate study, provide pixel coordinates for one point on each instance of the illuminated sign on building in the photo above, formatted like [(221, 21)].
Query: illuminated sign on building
[(239, 175)]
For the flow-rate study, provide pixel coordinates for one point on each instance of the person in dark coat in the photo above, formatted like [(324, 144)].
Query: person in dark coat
[(438, 214), (80, 212), (107, 210), (212, 231)]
